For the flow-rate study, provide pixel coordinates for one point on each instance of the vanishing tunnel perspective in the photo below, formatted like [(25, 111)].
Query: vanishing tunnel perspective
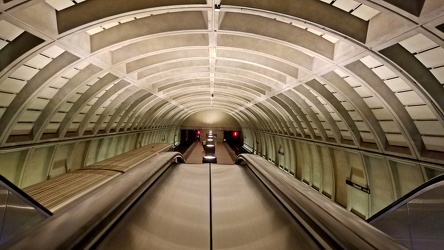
[(317, 110)]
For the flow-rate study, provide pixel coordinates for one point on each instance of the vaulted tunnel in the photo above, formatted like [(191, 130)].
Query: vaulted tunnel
[(329, 91)]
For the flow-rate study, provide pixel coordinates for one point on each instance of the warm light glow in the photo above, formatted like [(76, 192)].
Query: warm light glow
[(211, 119), (235, 133)]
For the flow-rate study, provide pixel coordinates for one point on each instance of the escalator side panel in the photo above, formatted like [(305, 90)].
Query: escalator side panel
[(418, 223), (173, 214), (247, 216)]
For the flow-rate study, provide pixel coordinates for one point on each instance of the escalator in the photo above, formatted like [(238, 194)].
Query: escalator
[(206, 206), (417, 219), (166, 204), (173, 214), (247, 216)]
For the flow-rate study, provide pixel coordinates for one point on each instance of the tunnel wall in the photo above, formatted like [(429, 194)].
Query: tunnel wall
[(375, 180), (29, 165)]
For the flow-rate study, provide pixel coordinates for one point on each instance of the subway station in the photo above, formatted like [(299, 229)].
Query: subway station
[(221, 124)]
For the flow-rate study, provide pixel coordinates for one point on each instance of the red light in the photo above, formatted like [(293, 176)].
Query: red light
[(198, 132), (235, 133)]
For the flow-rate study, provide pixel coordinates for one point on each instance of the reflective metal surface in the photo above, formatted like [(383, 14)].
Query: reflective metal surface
[(173, 214), (19, 216), (419, 222), (247, 216), (3, 199), (18, 211)]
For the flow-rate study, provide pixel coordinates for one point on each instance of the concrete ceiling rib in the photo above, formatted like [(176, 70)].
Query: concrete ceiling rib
[(351, 73)]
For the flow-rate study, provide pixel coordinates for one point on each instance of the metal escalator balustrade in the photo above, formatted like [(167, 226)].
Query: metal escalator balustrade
[(416, 219), (247, 216), (330, 224), (173, 214), (18, 211)]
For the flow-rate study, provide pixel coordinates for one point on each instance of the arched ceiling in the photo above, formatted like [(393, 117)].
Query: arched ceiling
[(364, 74)]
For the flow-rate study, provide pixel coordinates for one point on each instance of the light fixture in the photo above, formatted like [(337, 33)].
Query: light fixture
[(217, 7)]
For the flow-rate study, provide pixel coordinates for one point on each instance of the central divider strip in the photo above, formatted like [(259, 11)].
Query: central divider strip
[(211, 210)]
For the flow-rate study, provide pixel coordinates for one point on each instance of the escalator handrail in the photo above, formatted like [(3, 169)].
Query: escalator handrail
[(406, 198), (76, 224)]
